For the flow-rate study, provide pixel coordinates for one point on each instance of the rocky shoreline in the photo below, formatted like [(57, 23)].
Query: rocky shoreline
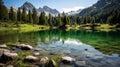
[(24, 55)]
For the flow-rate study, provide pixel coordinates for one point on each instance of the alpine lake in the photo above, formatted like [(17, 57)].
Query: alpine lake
[(96, 48)]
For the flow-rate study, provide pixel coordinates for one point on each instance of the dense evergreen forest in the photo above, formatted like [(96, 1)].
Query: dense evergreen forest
[(111, 17)]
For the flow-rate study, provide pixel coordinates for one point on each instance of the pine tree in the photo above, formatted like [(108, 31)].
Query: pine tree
[(12, 15), (50, 20), (109, 19), (65, 21), (84, 20), (46, 20), (78, 20), (19, 15), (68, 20), (34, 16), (60, 23), (92, 20), (42, 19), (30, 20), (24, 15), (3, 12), (101, 21), (63, 14)]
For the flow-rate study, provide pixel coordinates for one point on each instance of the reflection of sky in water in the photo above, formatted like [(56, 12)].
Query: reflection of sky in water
[(72, 41), (77, 49)]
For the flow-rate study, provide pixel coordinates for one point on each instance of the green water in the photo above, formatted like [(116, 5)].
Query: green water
[(103, 48)]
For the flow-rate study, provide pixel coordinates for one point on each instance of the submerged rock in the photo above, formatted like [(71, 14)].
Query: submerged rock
[(30, 59), (25, 47), (36, 53), (44, 60), (38, 49), (67, 59), (80, 63), (86, 49), (52, 53)]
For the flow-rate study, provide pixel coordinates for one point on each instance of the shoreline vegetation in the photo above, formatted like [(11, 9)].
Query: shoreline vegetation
[(22, 27), (35, 27)]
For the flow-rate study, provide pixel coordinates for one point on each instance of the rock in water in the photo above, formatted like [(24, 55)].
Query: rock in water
[(36, 53), (67, 59), (4, 51), (30, 59), (6, 57), (13, 55), (10, 66), (3, 46), (81, 63), (25, 47), (52, 63), (44, 60)]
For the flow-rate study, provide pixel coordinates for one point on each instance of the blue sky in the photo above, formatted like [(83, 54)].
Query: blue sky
[(61, 5)]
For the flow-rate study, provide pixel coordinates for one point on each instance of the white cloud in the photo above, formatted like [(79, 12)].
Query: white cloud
[(72, 9)]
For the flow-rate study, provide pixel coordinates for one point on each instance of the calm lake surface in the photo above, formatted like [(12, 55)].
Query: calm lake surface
[(98, 49)]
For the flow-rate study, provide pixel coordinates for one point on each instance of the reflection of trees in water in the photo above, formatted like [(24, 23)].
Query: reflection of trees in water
[(105, 42)]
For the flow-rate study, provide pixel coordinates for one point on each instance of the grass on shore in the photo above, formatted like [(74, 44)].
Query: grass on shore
[(22, 27), (100, 27), (35, 27)]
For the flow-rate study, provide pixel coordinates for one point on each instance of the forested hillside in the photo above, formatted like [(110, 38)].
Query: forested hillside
[(103, 12)]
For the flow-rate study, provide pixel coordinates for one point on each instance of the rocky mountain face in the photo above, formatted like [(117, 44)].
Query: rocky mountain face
[(46, 9), (27, 5), (101, 6)]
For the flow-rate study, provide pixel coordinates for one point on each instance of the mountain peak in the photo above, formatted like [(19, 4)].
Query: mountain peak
[(27, 5), (46, 7), (48, 10)]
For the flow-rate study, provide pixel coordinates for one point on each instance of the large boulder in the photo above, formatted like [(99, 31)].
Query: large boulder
[(67, 60), (3, 51), (13, 55), (7, 56), (44, 60), (30, 59), (25, 47)]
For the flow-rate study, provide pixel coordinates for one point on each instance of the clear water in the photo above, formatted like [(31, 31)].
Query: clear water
[(98, 49)]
